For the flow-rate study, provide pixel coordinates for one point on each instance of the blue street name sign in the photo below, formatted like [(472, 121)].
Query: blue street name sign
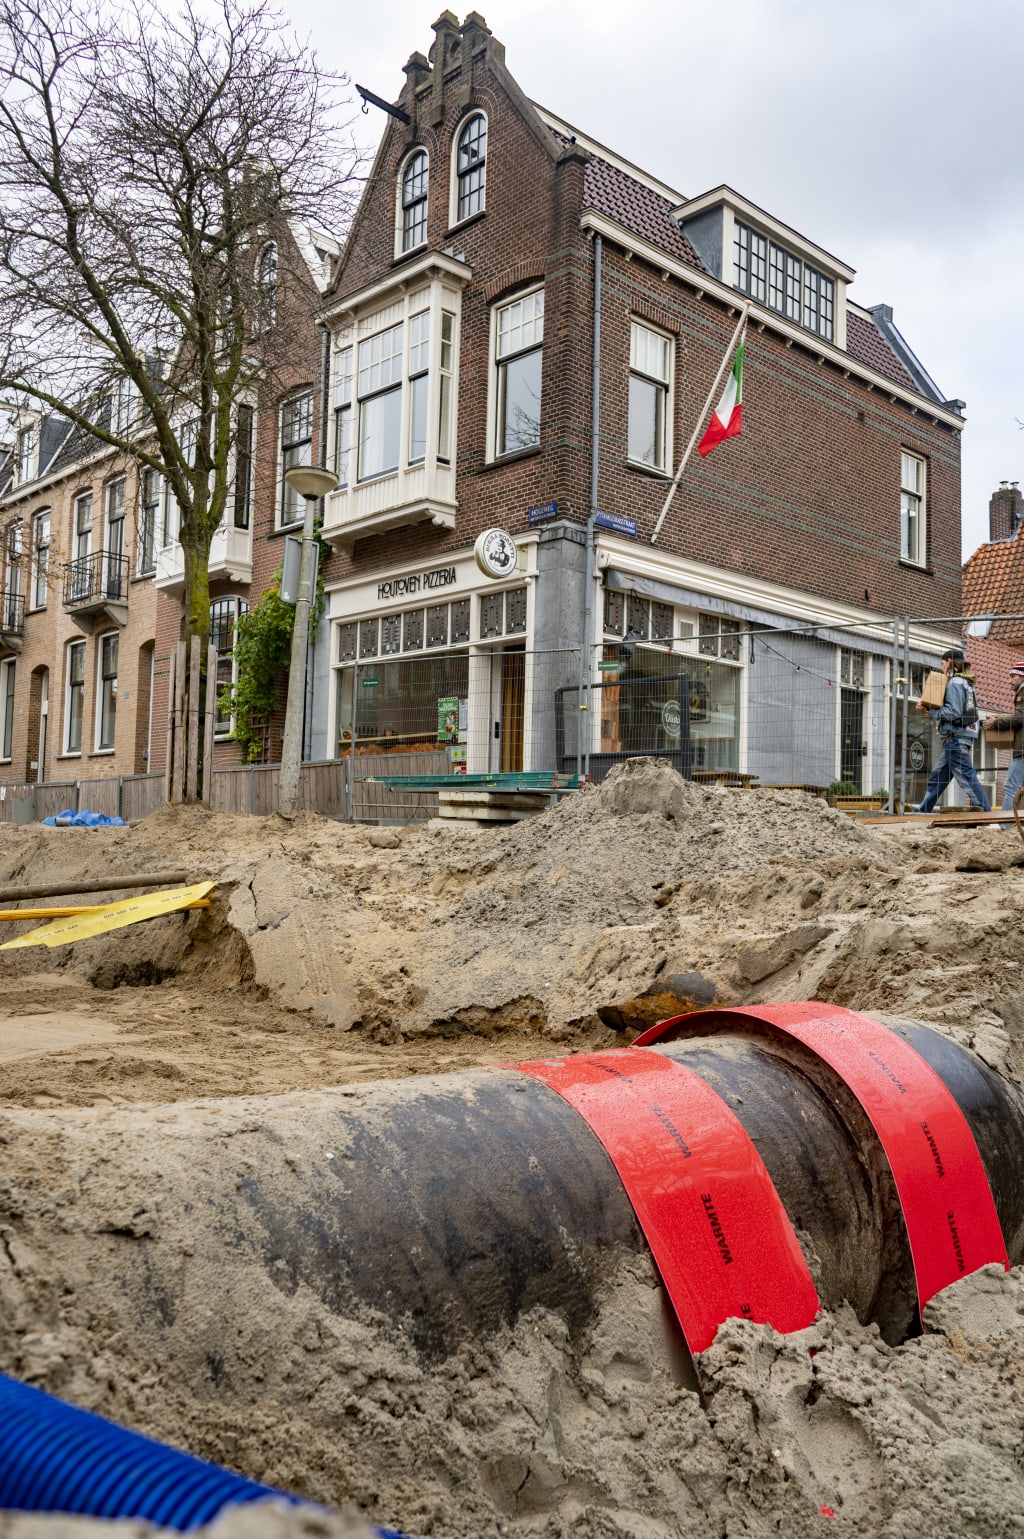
[(617, 521), (545, 510)]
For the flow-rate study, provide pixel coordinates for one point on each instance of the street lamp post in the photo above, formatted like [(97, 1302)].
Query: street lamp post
[(312, 484)]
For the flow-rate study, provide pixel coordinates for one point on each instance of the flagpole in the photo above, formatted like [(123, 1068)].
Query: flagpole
[(712, 393)]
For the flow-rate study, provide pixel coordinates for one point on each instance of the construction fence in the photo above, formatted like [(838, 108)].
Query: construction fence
[(829, 709)]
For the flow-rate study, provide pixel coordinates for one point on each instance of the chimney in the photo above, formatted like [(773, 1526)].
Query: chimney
[(1005, 511)]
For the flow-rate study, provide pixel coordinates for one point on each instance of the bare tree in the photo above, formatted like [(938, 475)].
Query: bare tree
[(144, 162)]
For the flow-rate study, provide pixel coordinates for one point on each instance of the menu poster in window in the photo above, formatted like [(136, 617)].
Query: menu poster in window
[(448, 719)]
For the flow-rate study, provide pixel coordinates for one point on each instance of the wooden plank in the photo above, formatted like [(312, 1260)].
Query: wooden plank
[(95, 884), (210, 721), (192, 743), (178, 781)]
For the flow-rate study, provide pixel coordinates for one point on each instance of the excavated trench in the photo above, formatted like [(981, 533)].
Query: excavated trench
[(284, 1204)]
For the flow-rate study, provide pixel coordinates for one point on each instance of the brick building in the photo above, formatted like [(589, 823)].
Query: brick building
[(505, 273), (521, 333)]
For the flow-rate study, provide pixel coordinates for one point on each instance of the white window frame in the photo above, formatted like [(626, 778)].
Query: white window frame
[(106, 691), (13, 546), (289, 511), (151, 502), (407, 223), (26, 454), (224, 726), (115, 497), (74, 690), (776, 277), (913, 508), (8, 679), (476, 196), (504, 353), (40, 558), (244, 466), (122, 405), (656, 373), (265, 295)]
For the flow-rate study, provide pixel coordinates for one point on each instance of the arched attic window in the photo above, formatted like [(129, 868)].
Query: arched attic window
[(471, 167), (413, 193), (266, 287)]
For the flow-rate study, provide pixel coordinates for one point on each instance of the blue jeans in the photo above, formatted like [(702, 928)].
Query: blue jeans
[(954, 763), (1014, 781)]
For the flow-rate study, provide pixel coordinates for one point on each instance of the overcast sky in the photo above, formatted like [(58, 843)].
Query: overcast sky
[(886, 132)]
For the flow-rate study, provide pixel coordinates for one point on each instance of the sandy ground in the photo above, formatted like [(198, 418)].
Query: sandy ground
[(341, 956)]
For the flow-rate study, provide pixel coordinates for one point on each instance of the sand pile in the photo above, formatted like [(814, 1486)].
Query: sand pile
[(339, 955)]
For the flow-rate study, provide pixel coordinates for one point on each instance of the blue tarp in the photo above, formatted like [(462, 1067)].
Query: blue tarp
[(83, 819)]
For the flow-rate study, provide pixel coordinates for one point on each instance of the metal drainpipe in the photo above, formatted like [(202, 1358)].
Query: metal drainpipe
[(586, 664), (325, 397)]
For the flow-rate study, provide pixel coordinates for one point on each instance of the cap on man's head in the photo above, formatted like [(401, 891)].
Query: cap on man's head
[(1018, 670), (954, 655)]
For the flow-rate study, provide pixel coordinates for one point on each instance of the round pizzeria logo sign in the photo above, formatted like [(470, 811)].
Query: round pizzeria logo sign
[(495, 553)]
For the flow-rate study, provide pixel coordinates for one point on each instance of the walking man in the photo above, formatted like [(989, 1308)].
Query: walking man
[(957, 721)]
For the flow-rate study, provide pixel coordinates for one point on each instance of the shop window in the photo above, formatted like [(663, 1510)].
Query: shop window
[(412, 630), (460, 621), (515, 612), (368, 637), (491, 614), (719, 637), (347, 638), (390, 634), (437, 625)]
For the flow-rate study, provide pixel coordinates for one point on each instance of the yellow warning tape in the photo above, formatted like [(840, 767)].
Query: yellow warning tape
[(71, 909), (112, 916)]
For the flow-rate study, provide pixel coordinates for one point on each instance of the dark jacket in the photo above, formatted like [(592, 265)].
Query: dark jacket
[(1015, 721), (958, 715)]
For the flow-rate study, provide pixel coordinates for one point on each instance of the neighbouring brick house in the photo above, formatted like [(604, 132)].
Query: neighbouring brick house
[(522, 330), (91, 571)]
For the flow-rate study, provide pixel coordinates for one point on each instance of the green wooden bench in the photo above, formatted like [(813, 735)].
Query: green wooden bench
[(512, 781)]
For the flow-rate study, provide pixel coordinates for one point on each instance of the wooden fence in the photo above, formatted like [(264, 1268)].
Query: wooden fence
[(335, 788)]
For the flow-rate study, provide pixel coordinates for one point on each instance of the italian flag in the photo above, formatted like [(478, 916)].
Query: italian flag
[(727, 417)]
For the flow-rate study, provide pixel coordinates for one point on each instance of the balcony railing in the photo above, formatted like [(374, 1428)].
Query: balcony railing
[(12, 614), (95, 580)]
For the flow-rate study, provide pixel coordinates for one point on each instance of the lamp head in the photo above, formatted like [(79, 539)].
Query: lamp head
[(309, 481)]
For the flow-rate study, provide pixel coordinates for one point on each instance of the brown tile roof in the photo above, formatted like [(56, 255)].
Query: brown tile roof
[(990, 662), (610, 190), (865, 343), (993, 583)]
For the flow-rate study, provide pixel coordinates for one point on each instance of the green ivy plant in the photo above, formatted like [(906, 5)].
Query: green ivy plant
[(263, 642)]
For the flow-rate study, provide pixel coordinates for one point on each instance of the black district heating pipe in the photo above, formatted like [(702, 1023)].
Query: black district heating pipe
[(485, 1194), (444, 1208)]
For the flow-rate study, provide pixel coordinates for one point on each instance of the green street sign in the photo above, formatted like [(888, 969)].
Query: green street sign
[(370, 683), (605, 666)]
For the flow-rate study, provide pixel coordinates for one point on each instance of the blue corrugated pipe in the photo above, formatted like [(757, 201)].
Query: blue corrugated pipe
[(57, 1458)]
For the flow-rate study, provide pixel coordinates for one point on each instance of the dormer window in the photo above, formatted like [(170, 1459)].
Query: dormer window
[(266, 287), (471, 168), (782, 281), (122, 405), (26, 454), (414, 201)]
